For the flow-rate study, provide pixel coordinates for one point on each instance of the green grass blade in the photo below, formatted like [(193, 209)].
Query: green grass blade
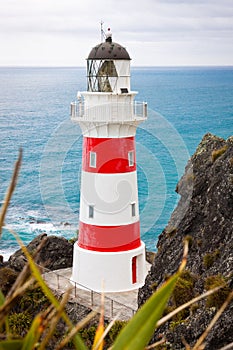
[(2, 298), (10, 190), (138, 332), (11, 344), (2, 301), (79, 344)]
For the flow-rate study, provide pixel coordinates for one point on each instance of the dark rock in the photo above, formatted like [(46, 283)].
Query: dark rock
[(204, 214), (7, 278), (55, 253), (150, 256), (76, 312)]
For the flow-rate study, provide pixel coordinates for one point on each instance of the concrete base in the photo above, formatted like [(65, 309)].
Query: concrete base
[(109, 271)]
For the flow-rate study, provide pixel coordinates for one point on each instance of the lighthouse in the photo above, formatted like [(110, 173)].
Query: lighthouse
[(109, 254)]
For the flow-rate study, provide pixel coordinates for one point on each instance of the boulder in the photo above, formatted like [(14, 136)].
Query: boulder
[(7, 279), (55, 253)]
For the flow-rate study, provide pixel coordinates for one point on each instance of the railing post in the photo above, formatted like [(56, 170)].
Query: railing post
[(72, 110), (80, 106), (92, 298), (145, 109), (111, 311), (58, 282)]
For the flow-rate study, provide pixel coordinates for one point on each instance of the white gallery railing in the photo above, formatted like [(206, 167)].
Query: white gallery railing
[(109, 112)]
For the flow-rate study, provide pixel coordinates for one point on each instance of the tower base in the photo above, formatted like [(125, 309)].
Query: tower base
[(109, 271)]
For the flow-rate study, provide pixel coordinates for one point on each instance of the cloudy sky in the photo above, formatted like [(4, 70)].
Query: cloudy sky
[(155, 32)]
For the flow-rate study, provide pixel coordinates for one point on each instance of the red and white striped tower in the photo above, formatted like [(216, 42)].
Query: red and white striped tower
[(109, 251)]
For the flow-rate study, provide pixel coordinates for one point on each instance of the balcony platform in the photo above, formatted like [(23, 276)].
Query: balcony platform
[(113, 112)]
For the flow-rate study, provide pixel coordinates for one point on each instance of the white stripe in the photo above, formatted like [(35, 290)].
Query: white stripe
[(91, 269), (112, 197), (107, 129)]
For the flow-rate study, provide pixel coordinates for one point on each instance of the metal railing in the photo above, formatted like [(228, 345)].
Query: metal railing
[(86, 296), (115, 111)]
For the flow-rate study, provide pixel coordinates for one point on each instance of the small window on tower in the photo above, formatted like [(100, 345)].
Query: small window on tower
[(92, 160), (131, 158), (133, 209), (91, 211)]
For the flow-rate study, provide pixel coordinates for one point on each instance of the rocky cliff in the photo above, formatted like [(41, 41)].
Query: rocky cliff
[(205, 215)]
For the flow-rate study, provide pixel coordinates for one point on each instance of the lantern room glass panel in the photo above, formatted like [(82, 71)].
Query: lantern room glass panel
[(100, 75)]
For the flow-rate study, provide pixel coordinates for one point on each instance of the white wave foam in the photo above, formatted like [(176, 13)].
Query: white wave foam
[(42, 227)]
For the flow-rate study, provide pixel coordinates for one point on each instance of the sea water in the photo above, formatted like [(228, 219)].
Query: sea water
[(183, 105)]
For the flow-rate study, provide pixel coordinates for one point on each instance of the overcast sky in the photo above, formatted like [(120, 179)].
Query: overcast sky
[(155, 32)]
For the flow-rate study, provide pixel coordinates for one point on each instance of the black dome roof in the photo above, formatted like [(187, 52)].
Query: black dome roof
[(108, 50)]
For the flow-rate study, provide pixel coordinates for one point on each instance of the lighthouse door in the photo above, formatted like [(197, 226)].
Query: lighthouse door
[(134, 270)]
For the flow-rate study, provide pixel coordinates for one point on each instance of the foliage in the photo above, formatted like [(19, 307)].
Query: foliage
[(174, 324), (218, 152), (88, 335), (183, 292), (19, 323), (210, 258), (33, 299), (115, 330), (218, 298)]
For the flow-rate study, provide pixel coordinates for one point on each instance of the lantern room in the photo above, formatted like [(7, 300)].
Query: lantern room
[(108, 68)]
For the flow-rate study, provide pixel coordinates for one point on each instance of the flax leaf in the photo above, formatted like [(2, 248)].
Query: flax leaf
[(138, 332)]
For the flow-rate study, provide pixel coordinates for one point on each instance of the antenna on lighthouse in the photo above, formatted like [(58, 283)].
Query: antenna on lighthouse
[(102, 34)]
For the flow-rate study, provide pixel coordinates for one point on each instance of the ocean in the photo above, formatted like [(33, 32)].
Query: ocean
[(183, 105)]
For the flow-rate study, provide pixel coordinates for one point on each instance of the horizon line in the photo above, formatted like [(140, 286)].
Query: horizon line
[(132, 66)]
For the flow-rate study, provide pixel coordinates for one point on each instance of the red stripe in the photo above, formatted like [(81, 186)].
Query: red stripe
[(109, 238), (111, 154)]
